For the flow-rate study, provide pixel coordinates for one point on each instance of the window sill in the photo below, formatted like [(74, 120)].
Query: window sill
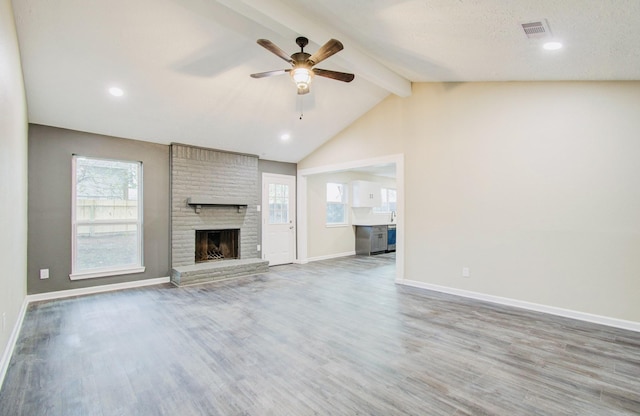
[(106, 273), (337, 225)]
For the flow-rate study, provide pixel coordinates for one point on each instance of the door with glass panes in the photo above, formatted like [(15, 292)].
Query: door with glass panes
[(278, 218)]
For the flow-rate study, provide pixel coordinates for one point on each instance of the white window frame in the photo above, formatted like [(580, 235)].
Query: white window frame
[(105, 271), (344, 203)]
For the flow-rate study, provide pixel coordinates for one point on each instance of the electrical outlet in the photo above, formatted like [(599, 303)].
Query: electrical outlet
[(259, 247), (465, 272), (44, 273), (258, 208)]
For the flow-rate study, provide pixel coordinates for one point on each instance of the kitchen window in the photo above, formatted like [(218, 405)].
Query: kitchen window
[(106, 218), (336, 203), (389, 201)]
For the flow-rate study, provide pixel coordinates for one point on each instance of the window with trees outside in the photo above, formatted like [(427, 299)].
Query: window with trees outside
[(106, 218), (336, 203)]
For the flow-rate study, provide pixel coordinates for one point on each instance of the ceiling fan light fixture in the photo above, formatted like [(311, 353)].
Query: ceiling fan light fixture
[(302, 77)]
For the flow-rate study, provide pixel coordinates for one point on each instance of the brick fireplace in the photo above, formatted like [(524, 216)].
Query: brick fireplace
[(213, 192)]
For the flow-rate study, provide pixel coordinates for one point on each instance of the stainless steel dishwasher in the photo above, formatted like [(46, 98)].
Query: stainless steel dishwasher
[(391, 237)]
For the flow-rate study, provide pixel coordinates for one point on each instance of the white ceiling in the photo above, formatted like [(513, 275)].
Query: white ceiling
[(185, 64)]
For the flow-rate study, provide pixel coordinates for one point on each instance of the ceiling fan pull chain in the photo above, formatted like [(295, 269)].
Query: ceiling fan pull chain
[(301, 107)]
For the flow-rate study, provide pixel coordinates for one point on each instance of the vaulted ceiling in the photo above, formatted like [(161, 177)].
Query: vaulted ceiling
[(184, 65)]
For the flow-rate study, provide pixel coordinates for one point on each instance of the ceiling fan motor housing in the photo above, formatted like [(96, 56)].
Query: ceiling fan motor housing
[(300, 59)]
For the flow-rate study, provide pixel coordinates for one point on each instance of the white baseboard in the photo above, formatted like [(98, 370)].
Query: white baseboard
[(567, 313), (8, 352), (332, 256), (96, 289)]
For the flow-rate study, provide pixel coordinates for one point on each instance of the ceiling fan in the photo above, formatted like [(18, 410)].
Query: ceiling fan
[(303, 63)]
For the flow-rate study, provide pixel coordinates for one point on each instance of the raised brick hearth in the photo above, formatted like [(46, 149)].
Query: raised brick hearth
[(219, 270)]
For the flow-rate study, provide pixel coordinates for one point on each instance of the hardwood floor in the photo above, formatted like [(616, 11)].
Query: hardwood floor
[(335, 337)]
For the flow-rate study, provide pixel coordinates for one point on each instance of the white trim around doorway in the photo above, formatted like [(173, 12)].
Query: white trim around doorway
[(302, 232)]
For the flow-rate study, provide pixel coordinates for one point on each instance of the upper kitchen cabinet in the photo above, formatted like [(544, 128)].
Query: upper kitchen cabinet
[(365, 194)]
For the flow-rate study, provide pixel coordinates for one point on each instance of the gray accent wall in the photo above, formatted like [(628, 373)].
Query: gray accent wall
[(49, 235), (280, 168)]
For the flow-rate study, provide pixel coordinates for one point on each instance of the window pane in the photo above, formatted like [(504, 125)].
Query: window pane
[(106, 209), (103, 246), (107, 191), (335, 192), (392, 200), (106, 179), (336, 203), (336, 214), (278, 203), (392, 195)]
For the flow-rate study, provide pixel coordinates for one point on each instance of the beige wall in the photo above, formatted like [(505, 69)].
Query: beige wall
[(533, 186), (325, 240), (378, 133), (13, 179)]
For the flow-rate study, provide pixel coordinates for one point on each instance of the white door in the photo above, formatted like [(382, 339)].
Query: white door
[(278, 218)]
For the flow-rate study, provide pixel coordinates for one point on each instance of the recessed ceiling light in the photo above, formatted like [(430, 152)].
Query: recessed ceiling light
[(285, 137), (116, 92), (552, 46)]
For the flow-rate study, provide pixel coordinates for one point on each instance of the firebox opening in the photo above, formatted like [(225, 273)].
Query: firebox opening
[(214, 245)]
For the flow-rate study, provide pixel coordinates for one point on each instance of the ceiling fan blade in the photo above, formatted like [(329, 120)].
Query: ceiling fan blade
[(340, 76), (270, 46), (328, 49), (270, 73), (302, 91)]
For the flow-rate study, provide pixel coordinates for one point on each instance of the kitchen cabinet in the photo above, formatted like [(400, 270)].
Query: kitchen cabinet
[(365, 194), (371, 239)]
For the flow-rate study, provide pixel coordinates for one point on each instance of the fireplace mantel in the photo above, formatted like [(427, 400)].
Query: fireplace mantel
[(199, 202)]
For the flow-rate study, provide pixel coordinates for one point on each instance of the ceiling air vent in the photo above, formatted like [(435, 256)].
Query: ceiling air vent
[(536, 30)]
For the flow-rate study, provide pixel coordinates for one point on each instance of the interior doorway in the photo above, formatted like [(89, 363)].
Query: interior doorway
[(306, 219)]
